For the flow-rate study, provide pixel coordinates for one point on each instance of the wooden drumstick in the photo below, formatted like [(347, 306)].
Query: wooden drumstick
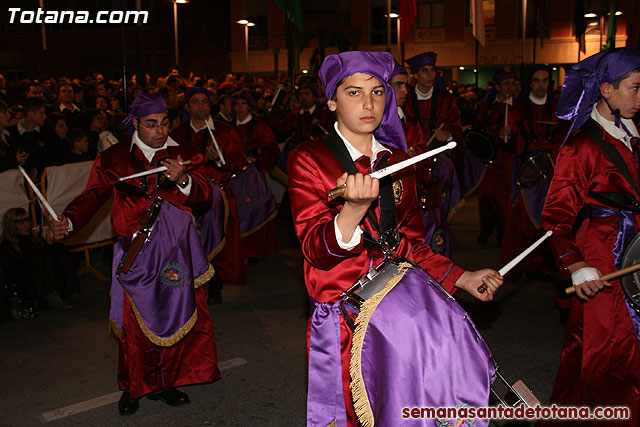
[(504, 270), (434, 134), (506, 119), (609, 276)]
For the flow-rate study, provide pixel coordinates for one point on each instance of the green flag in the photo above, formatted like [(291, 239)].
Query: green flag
[(293, 11), (612, 27)]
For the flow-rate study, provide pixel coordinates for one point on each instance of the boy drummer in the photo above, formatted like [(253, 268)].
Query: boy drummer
[(368, 134)]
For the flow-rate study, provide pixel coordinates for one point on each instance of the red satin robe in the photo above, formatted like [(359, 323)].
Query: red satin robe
[(494, 191), (264, 147), (229, 263), (447, 112), (600, 363), (297, 122), (521, 230), (329, 269), (193, 359)]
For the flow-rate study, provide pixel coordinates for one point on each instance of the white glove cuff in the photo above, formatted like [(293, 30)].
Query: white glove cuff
[(585, 274)]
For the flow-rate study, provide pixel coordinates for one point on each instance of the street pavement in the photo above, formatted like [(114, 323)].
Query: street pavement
[(60, 368)]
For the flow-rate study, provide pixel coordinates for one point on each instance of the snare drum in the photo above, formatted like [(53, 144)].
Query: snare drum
[(409, 327), (631, 282), (534, 169), (481, 145)]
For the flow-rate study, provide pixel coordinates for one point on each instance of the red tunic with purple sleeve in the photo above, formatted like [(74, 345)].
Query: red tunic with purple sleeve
[(330, 269), (600, 363)]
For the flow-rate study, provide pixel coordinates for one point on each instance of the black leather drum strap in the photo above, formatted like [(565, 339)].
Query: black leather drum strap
[(610, 151), (388, 219)]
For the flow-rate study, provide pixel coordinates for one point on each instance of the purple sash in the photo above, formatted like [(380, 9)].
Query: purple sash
[(256, 202), (162, 280), (416, 347), (325, 399), (212, 224), (435, 222), (452, 195)]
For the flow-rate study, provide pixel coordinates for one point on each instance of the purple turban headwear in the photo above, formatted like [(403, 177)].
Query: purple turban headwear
[(380, 65), (398, 69), (423, 59), (501, 76), (189, 92), (142, 106), (581, 88)]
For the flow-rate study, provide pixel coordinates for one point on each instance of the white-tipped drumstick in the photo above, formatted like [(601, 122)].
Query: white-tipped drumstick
[(213, 138), (504, 270), (151, 171), (39, 195)]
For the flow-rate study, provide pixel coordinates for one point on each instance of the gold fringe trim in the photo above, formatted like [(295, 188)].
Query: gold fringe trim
[(199, 281), (169, 341), (526, 208), (475, 187), (113, 329), (455, 210), (361, 402), (333, 424), (217, 249), (259, 226)]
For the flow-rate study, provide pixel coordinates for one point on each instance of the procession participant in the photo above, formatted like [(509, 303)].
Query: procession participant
[(259, 141), (151, 363), (600, 362), (430, 103), (495, 187), (439, 193), (229, 261), (332, 233), (534, 136), (261, 150), (310, 119)]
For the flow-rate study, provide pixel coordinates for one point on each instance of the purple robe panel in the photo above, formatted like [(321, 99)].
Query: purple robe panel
[(256, 202)]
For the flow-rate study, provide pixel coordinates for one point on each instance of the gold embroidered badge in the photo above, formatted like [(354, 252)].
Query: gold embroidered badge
[(398, 191)]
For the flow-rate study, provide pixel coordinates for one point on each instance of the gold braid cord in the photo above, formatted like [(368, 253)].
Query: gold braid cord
[(259, 226), (361, 402), (184, 330)]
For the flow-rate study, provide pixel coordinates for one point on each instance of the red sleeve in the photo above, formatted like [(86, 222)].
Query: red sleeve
[(313, 216), (449, 114)]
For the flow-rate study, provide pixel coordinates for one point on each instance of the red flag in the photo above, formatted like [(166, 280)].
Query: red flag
[(408, 14)]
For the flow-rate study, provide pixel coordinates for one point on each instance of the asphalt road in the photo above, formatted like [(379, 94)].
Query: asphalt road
[(60, 368)]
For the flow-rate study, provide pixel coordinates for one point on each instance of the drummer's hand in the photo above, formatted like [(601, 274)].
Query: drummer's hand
[(361, 191), (443, 135), (59, 227), (590, 288), (175, 171), (470, 281), (505, 132), (211, 152)]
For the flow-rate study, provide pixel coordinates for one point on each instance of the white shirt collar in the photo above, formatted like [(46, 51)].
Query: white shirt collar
[(22, 130), (401, 114), (245, 121), (376, 147), (538, 101), (149, 152), (209, 122), (73, 109), (613, 130), (424, 96), (310, 110)]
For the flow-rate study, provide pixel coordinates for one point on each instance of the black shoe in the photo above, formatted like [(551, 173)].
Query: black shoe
[(127, 405), (170, 396)]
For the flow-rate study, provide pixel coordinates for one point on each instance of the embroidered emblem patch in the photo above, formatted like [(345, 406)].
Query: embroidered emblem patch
[(455, 422), (173, 275), (398, 191), (438, 243)]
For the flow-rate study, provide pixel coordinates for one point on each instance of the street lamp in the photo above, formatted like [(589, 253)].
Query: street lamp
[(390, 16), (246, 24), (175, 25), (599, 22)]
